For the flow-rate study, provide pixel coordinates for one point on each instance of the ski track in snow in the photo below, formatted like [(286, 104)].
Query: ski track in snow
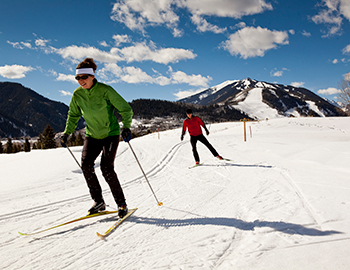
[(264, 209)]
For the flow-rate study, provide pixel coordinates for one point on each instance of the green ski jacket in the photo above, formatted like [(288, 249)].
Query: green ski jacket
[(97, 106)]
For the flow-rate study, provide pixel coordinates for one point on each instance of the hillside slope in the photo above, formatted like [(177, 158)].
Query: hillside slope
[(31, 111)]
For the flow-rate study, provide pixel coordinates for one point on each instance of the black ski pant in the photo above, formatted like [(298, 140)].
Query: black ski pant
[(203, 140), (92, 148)]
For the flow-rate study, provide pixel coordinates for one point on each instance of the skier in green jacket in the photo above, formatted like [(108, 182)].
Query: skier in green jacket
[(96, 102)]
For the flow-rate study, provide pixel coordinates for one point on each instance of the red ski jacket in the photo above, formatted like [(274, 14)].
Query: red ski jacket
[(194, 126)]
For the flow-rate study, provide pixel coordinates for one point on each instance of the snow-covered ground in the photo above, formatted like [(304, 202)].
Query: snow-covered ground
[(283, 203)]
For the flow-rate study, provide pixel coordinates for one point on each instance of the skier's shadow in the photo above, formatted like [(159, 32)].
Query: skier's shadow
[(284, 227)]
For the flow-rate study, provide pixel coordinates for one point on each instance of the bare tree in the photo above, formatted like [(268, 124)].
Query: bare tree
[(344, 95)]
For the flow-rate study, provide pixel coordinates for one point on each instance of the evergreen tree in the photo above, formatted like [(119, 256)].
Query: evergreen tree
[(16, 148), (26, 145), (34, 146), (9, 146), (48, 138)]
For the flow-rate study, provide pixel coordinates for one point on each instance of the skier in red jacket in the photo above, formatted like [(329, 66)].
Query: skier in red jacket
[(193, 124)]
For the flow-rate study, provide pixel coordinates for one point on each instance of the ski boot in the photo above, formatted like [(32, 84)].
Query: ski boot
[(122, 210), (97, 207)]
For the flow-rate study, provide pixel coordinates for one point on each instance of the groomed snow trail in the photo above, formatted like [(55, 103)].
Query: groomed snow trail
[(282, 203)]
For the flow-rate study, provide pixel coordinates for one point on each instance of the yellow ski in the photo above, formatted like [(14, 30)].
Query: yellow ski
[(72, 221), (116, 224)]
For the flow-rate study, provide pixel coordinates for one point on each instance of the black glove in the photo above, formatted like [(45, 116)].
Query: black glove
[(64, 139), (182, 137), (126, 134)]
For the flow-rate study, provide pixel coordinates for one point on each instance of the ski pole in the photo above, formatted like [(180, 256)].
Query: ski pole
[(132, 150), (73, 156)]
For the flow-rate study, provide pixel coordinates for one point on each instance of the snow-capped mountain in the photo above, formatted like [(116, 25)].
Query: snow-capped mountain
[(265, 100)]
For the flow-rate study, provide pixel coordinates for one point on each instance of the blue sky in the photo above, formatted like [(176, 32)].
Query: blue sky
[(167, 49)]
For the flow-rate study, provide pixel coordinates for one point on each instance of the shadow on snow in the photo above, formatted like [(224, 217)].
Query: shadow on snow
[(285, 227)]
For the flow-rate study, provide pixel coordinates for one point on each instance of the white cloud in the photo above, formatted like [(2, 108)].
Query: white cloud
[(346, 49), (52, 72), (121, 39), (41, 42), (139, 14), (136, 53), (132, 74), (298, 84), (276, 73), (332, 15), (177, 32), (225, 8), (135, 75), (38, 43), (187, 93), (27, 45), (109, 70), (335, 61), (162, 80), (345, 9), (14, 71), (16, 45), (104, 44), (194, 80), (65, 93), (204, 26), (306, 34), (251, 42), (239, 25), (66, 78), (329, 91), (142, 52), (76, 53)]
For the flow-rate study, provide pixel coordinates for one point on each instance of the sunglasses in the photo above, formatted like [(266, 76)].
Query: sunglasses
[(84, 77)]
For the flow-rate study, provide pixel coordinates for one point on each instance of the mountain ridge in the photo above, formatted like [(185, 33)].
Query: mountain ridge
[(285, 99), (26, 113)]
